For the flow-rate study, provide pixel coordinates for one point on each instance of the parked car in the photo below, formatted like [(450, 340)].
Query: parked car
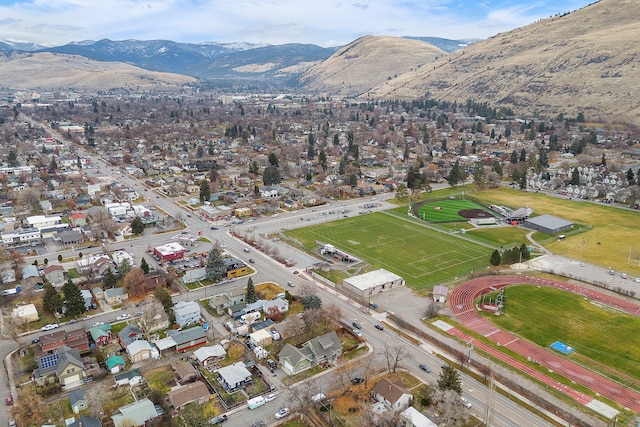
[(12, 422), (259, 423), (49, 327), (9, 400), (357, 380), (98, 324), (124, 316), (424, 368), (465, 402), (270, 397), (379, 327), (282, 413), (218, 420)]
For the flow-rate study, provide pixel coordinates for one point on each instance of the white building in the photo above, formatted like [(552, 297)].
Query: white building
[(44, 221), (118, 209), (20, 237), (121, 255), (365, 285)]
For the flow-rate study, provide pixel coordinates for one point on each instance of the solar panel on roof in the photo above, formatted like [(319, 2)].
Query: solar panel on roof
[(49, 361)]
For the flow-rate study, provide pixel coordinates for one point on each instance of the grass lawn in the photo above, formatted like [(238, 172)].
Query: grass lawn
[(545, 315), (607, 244), (502, 235), (420, 255), (446, 210)]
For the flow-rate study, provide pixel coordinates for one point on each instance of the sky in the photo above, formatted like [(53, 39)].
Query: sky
[(326, 23)]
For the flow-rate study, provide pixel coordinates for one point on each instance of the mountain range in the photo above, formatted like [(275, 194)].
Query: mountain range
[(584, 61)]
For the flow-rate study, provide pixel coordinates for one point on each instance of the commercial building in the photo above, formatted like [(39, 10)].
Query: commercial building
[(363, 286), (170, 251)]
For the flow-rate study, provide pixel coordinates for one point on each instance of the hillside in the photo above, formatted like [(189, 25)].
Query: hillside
[(583, 61), (366, 62), (54, 71)]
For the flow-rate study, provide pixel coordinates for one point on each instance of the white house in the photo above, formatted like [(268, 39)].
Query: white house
[(186, 312)]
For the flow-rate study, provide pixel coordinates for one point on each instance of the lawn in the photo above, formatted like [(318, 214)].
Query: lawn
[(446, 210), (419, 254), (598, 333), (608, 244)]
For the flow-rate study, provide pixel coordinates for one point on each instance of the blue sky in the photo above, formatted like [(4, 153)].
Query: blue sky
[(322, 22)]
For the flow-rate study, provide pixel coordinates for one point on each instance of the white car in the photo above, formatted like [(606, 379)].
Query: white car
[(98, 324), (49, 327), (270, 397), (637, 280), (282, 413), (124, 316), (465, 402)]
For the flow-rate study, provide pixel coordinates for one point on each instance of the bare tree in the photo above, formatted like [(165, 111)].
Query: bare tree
[(451, 411), (302, 396), (432, 309), (394, 355)]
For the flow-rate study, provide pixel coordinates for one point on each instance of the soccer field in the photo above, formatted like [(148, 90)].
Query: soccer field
[(423, 257), (544, 315)]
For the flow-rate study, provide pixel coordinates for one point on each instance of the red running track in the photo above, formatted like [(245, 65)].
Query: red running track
[(461, 301)]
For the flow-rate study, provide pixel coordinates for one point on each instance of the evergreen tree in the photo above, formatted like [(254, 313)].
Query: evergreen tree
[(215, 267), (450, 380), (497, 168), (51, 301), (73, 299), (271, 175), (523, 156), (575, 177), (523, 180), (336, 140), (311, 301), (525, 255), (603, 162), (109, 279), (124, 267), (251, 292), (322, 160), (479, 175), (455, 175), (144, 266), (205, 191), (631, 178), (273, 160), (495, 258), (514, 157), (137, 227)]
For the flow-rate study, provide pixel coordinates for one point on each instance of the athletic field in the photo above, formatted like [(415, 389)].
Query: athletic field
[(448, 210), (423, 257), (544, 315)]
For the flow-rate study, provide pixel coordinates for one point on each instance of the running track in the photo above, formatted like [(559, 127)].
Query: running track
[(461, 301)]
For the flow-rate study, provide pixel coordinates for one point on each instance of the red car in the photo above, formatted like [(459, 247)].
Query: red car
[(9, 400)]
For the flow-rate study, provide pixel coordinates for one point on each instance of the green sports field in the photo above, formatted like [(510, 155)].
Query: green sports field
[(597, 333), (446, 210), (423, 257)]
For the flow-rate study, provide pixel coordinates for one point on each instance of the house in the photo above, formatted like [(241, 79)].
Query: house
[(187, 312), (54, 274), (52, 341), (188, 338), (139, 350), (234, 376), (393, 394), (211, 354), (323, 349), (155, 318), (77, 338), (86, 421), (115, 364), (101, 335), (129, 334), (64, 366), (280, 304), (411, 417), (152, 282), (116, 296), (137, 414), (295, 360), (229, 301), (25, 313), (30, 271), (185, 372), (193, 392), (130, 377), (78, 401), (78, 220)]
